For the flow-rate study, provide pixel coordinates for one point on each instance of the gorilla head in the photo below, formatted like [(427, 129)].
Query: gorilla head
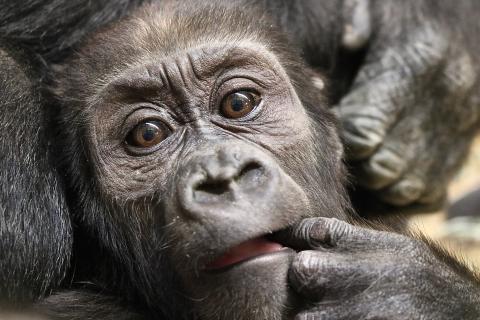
[(191, 136)]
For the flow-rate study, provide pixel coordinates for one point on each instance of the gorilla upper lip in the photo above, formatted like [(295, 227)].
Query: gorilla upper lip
[(244, 251)]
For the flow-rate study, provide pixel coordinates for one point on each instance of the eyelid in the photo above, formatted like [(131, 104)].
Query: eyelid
[(231, 85), (145, 113)]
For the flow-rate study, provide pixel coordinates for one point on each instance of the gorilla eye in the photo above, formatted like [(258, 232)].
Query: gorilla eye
[(239, 104), (147, 134)]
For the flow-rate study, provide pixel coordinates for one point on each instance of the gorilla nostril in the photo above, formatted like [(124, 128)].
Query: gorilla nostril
[(250, 175), (209, 191), (216, 188), (221, 188)]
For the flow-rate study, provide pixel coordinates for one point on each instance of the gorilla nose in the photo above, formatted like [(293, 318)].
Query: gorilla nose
[(229, 179), (224, 183)]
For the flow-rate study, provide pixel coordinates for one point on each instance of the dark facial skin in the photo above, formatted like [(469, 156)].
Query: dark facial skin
[(200, 149)]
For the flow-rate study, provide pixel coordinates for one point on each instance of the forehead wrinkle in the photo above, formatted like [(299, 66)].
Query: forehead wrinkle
[(207, 61), (148, 74), (133, 85)]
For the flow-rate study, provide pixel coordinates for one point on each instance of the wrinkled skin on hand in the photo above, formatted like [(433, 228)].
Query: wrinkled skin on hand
[(410, 115), (352, 272)]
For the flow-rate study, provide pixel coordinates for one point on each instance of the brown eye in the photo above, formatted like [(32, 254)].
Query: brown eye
[(147, 134), (239, 104)]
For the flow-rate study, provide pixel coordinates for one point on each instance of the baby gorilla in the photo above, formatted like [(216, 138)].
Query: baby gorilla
[(192, 140), (196, 137)]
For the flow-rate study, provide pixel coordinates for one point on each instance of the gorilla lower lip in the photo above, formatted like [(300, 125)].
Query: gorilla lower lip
[(245, 251)]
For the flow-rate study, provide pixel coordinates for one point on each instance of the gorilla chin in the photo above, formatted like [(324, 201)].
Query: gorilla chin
[(257, 288), (252, 275)]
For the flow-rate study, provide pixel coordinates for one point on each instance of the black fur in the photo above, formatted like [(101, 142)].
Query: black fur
[(35, 228), (50, 28), (114, 249)]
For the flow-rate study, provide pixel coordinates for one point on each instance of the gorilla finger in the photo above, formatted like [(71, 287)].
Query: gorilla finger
[(395, 157), (358, 24), (436, 196), (319, 275), (310, 233), (382, 169), (386, 84), (369, 111), (404, 192), (322, 233), (362, 136)]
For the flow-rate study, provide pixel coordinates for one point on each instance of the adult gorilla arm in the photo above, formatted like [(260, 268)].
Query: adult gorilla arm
[(404, 78), (417, 73), (412, 110), (355, 272)]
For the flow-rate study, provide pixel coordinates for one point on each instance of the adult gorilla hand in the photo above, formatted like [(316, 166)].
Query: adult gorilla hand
[(411, 113), (352, 272)]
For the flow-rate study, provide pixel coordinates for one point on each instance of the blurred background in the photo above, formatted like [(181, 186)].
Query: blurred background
[(460, 234)]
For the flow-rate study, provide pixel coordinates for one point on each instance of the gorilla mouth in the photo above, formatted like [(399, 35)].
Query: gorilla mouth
[(245, 251)]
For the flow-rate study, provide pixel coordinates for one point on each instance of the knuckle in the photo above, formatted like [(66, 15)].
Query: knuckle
[(306, 263), (425, 50), (315, 274), (311, 229), (339, 229), (309, 272), (357, 148), (317, 232), (362, 135), (369, 128), (381, 170), (404, 192)]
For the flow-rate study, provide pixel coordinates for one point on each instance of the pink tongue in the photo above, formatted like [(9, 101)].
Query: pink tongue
[(244, 251)]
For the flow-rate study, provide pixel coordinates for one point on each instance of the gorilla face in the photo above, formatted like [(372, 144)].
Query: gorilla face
[(196, 144)]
